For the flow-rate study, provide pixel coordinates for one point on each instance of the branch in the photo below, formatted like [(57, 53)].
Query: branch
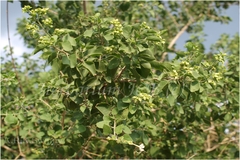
[(84, 7), (19, 147), (9, 149), (11, 53), (191, 21), (171, 16), (175, 39)]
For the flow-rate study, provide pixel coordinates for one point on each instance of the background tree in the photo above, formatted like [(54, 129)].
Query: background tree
[(111, 91)]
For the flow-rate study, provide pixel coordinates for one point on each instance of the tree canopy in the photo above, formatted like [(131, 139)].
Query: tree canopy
[(111, 90)]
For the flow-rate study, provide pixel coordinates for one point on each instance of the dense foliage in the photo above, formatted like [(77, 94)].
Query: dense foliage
[(111, 91)]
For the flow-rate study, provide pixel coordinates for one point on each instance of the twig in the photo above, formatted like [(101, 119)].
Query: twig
[(114, 127), (191, 21), (84, 7), (175, 39), (46, 103), (9, 149), (11, 53), (19, 147), (170, 15), (120, 73), (192, 156)]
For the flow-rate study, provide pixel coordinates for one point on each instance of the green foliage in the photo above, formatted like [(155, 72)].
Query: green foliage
[(107, 93)]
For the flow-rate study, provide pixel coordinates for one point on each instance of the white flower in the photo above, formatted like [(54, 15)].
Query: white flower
[(141, 147)]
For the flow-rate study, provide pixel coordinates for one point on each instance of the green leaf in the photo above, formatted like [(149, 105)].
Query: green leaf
[(126, 60), (81, 128), (92, 82), (104, 110), (67, 46), (174, 89), (65, 60), (88, 33), (154, 150), (127, 137), (10, 119), (94, 52), (127, 31), (102, 123), (119, 129), (147, 55), (153, 38), (124, 6), (126, 100), (157, 65), (198, 59), (228, 117), (50, 132), (167, 66), (171, 100), (72, 40), (146, 65), (126, 129), (38, 48), (161, 85), (189, 46), (108, 36), (125, 113), (61, 141), (197, 107), (180, 109), (114, 63), (73, 60), (195, 74), (106, 130), (145, 138), (47, 117), (125, 49), (90, 66), (141, 48), (195, 85)]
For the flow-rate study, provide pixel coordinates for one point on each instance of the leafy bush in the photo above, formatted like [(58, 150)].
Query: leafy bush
[(109, 92)]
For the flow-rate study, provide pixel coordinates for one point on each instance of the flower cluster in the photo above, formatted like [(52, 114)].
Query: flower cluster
[(211, 82), (144, 99), (144, 25), (174, 74), (117, 29), (109, 49), (141, 97), (121, 140), (48, 22), (58, 31), (32, 27), (205, 64), (217, 76), (46, 40), (220, 57), (26, 8)]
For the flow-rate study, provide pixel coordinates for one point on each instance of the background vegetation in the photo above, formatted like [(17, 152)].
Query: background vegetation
[(111, 90)]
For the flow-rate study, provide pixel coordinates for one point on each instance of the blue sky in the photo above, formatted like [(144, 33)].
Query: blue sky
[(212, 29)]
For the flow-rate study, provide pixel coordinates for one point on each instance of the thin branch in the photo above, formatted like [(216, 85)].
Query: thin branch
[(171, 16), (9, 149), (85, 7), (120, 73), (11, 53), (192, 156), (175, 39), (191, 21), (45, 103), (19, 147)]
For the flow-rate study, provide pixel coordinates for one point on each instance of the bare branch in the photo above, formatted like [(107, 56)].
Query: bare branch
[(9, 149), (11, 53)]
